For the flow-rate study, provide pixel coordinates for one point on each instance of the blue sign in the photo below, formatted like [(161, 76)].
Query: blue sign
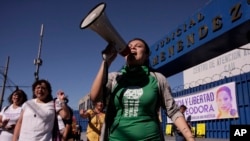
[(219, 27)]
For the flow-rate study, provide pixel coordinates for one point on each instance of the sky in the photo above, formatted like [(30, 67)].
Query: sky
[(71, 56)]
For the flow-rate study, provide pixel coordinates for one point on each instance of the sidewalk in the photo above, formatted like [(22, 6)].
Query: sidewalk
[(169, 138)]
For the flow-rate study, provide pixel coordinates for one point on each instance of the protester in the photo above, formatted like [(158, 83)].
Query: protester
[(79, 131), (96, 119), (37, 119), (75, 130), (224, 101), (63, 110), (134, 96), (68, 124), (10, 114), (177, 133)]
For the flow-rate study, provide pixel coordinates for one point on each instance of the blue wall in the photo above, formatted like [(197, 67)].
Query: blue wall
[(82, 122)]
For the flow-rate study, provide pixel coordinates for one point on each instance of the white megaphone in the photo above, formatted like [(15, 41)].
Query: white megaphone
[(97, 21)]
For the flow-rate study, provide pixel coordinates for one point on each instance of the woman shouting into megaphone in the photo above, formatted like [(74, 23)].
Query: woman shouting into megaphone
[(134, 96)]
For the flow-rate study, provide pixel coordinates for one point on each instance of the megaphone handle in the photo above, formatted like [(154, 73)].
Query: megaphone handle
[(104, 82), (109, 54), (105, 73)]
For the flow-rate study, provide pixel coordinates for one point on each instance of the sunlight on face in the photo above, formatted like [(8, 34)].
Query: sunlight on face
[(41, 91), (138, 53), (99, 105), (16, 97), (224, 101)]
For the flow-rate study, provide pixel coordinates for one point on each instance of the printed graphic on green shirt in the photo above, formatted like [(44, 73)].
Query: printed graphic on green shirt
[(131, 101)]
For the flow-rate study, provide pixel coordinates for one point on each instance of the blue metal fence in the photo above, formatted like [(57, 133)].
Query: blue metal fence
[(81, 121)]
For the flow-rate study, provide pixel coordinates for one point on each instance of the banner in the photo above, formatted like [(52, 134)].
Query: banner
[(215, 103)]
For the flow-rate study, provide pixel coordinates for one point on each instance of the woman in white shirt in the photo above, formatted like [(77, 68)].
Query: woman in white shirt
[(10, 114), (37, 118)]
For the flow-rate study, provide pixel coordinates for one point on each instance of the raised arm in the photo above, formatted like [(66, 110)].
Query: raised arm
[(108, 54), (61, 105), (84, 113), (97, 86)]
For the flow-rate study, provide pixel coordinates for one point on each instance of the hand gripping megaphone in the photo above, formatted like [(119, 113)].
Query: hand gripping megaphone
[(98, 22)]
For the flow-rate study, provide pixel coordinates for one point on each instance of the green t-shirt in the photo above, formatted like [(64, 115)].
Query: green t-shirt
[(135, 101)]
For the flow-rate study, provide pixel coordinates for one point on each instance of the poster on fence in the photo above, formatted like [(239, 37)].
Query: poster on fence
[(215, 103)]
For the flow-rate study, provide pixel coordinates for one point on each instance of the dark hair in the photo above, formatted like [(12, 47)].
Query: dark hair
[(183, 106), (48, 86), (22, 96), (96, 101)]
